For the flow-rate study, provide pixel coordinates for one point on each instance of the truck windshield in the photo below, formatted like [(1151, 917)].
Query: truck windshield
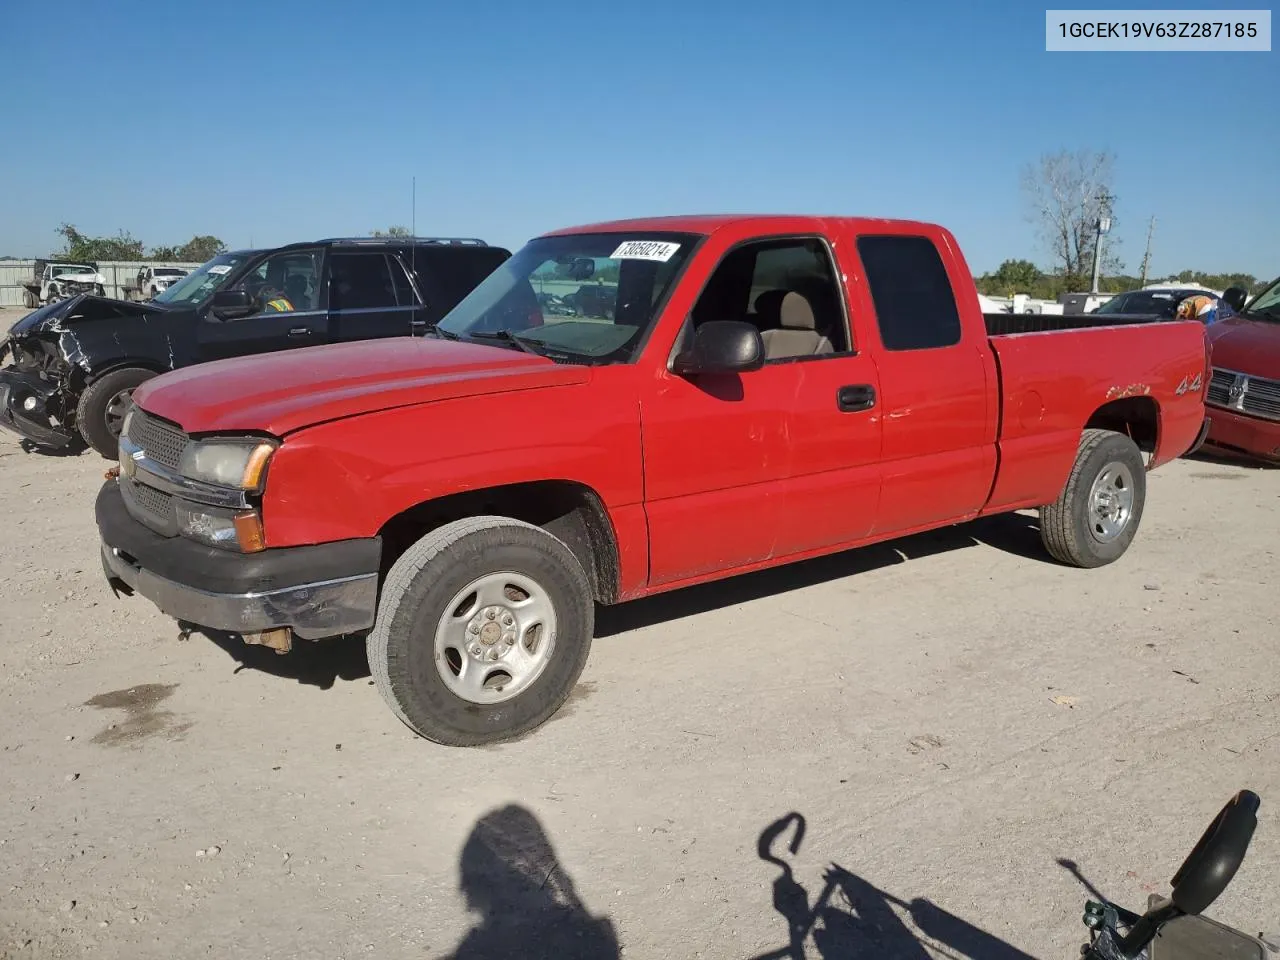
[(1266, 305), (169, 272), (587, 296), (198, 286)]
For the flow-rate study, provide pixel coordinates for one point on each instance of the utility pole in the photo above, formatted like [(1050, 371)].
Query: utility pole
[(1146, 257)]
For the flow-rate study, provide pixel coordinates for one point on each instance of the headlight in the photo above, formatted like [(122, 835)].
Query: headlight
[(241, 464), (229, 529)]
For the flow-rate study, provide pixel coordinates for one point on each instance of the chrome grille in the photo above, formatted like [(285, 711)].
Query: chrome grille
[(149, 506), (160, 441), (1233, 390), (1219, 387)]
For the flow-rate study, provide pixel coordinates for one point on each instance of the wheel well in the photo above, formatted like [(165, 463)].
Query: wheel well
[(568, 510), (1138, 418), (81, 379)]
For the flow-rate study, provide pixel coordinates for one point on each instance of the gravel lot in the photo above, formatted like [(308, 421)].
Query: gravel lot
[(951, 715)]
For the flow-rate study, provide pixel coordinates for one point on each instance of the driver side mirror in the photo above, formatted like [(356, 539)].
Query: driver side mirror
[(1218, 855), (721, 346), (232, 304), (1236, 297)]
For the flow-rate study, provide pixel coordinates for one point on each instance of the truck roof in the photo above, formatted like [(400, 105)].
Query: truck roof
[(709, 223)]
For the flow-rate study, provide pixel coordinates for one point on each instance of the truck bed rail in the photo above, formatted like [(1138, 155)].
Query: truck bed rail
[(1006, 324)]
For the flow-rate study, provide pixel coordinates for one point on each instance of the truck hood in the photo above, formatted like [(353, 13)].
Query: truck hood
[(1249, 346), (55, 317), (279, 393), (80, 278)]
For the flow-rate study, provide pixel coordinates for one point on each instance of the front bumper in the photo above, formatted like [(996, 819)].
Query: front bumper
[(318, 591), (16, 387), (1242, 433)]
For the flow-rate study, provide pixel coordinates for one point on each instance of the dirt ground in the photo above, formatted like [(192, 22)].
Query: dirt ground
[(952, 718)]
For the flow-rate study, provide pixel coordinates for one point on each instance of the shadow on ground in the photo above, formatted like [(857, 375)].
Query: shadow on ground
[(526, 902), (323, 663), (1014, 533), (527, 905), (851, 917)]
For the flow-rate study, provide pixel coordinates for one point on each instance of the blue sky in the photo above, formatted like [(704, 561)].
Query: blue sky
[(289, 120)]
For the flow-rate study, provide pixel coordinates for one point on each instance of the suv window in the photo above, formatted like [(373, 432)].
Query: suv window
[(293, 276), (360, 281), (915, 305), (787, 289)]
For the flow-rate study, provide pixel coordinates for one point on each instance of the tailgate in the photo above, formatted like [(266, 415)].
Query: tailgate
[(1053, 383)]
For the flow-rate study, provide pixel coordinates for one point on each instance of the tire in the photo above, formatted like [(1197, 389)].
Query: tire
[(98, 414), (412, 645), (30, 300), (1097, 515), (99, 290)]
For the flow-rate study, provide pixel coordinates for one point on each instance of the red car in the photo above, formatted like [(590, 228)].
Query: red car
[(1244, 390), (759, 390)]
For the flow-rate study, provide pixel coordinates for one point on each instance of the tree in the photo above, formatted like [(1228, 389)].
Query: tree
[(1066, 193), (1013, 276), (79, 247), (196, 250), (392, 232)]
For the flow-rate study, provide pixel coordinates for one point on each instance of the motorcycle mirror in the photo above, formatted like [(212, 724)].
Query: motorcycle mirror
[(1217, 856)]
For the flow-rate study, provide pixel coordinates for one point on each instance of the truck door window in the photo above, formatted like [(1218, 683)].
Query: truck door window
[(915, 305), (360, 281), (785, 288)]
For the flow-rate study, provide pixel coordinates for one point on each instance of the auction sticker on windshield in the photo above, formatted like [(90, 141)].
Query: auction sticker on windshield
[(220, 269), (645, 250)]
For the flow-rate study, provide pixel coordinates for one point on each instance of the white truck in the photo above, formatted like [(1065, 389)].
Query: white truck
[(151, 281), (58, 279)]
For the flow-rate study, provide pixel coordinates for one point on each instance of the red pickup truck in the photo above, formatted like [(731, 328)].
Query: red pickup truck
[(725, 394)]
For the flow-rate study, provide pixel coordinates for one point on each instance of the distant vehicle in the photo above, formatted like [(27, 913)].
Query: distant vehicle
[(470, 497), (1158, 300), (76, 363), (54, 280), (152, 281)]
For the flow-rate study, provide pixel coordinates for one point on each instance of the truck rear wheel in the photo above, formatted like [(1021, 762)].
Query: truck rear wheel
[(100, 412), (1096, 516), (483, 629)]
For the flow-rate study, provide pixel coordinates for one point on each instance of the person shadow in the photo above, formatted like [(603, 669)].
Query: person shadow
[(526, 900), (852, 918)]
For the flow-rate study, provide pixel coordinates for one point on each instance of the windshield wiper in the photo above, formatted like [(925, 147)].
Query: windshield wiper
[(506, 336)]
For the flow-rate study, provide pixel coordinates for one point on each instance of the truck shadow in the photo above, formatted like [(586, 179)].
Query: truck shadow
[(1012, 533), (323, 663)]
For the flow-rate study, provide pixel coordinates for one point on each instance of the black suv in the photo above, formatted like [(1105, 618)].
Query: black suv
[(76, 362)]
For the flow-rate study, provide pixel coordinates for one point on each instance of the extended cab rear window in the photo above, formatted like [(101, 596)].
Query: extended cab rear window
[(915, 305)]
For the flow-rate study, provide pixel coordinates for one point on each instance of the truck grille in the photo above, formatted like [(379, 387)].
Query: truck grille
[(149, 506), (1233, 390), (160, 441)]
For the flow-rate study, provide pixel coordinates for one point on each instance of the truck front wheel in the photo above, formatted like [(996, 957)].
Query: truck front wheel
[(1096, 516), (103, 404), (483, 629)]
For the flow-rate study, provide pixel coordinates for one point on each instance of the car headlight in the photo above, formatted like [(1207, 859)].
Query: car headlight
[(240, 464), (239, 530)]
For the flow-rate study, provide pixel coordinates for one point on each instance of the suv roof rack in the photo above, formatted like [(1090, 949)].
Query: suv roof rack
[(442, 241)]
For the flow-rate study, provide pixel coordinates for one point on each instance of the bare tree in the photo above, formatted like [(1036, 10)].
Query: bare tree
[(1066, 193)]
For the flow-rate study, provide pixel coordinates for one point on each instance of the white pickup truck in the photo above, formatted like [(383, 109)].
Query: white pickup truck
[(151, 281), (56, 280)]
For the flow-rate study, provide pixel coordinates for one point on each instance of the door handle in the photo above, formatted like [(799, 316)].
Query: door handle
[(299, 331), (860, 396), (417, 323)]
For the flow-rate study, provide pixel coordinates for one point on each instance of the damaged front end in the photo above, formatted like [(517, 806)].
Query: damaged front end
[(44, 366), (34, 400)]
